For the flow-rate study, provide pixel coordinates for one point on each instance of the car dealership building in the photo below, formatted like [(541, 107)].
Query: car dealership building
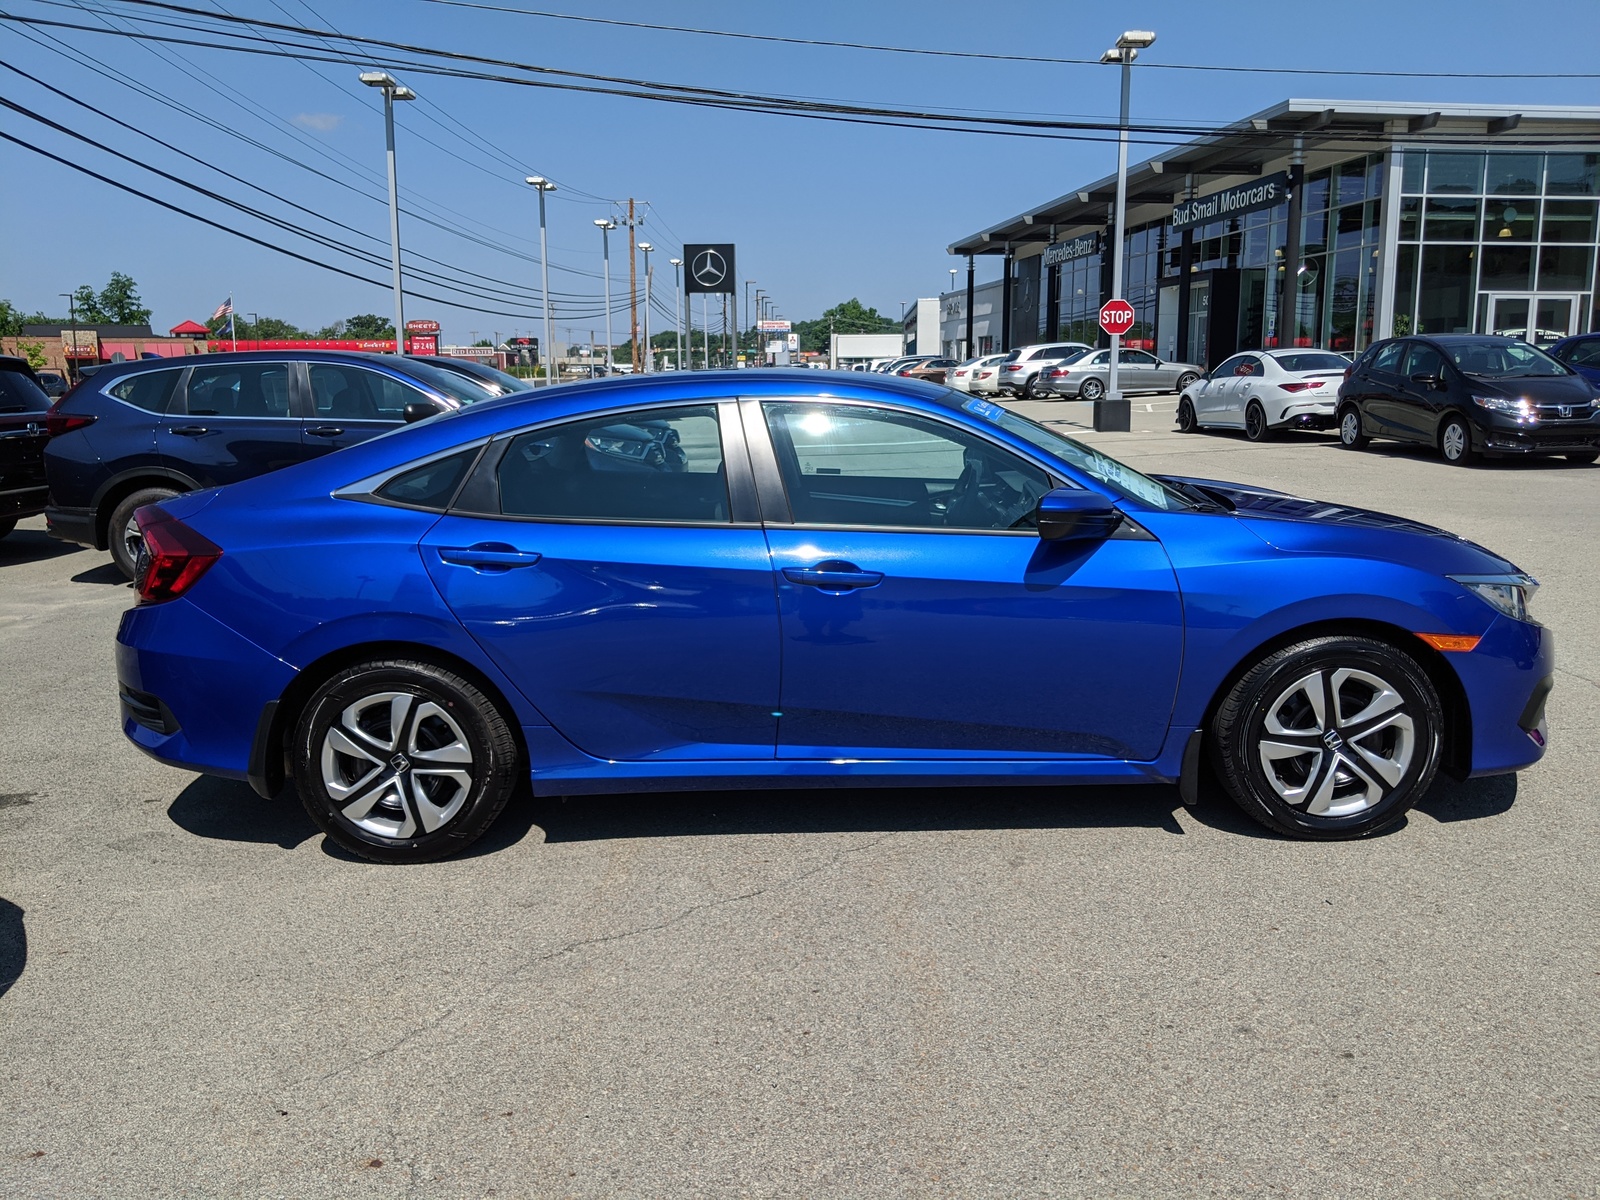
[(1317, 223)]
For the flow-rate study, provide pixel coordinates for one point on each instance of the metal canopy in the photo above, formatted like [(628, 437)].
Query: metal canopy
[(1243, 149)]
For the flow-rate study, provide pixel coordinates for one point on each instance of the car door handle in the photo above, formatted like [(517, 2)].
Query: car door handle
[(833, 577), (189, 430), (488, 556), (326, 431)]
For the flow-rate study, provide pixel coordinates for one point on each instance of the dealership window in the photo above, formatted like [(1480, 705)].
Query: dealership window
[(1336, 280), (1503, 241)]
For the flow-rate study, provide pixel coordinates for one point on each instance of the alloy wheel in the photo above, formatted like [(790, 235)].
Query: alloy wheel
[(1337, 742), (132, 540), (1255, 423), (396, 765)]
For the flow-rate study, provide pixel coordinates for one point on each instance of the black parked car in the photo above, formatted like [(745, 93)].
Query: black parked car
[(54, 383), (22, 437), (1470, 395), (492, 378), (140, 432)]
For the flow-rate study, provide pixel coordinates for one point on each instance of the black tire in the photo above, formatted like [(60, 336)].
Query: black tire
[(123, 543), (403, 799), (1349, 428), (1587, 456), (1342, 775), (1255, 423), (1030, 390), (1455, 442), (1186, 380), (7, 525), (1186, 418), (1091, 389)]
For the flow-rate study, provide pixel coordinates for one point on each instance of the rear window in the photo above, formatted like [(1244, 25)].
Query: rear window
[(18, 393), (1312, 362), (441, 379), (149, 390)]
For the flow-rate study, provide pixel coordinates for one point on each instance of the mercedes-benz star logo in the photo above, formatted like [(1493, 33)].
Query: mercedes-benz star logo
[(709, 268)]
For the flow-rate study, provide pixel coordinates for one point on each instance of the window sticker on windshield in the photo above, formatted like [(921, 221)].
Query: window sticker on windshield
[(983, 408)]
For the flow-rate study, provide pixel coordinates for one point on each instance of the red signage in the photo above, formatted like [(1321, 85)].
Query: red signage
[(422, 327), (1116, 317)]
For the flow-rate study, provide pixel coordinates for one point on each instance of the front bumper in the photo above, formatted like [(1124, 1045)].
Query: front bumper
[(1506, 435), (1506, 679), (72, 525)]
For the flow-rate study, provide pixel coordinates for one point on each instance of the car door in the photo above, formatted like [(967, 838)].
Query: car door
[(603, 565), (1211, 393), (1136, 372), (350, 403), (923, 618), (1419, 402), (1377, 381), (1251, 375), (235, 420)]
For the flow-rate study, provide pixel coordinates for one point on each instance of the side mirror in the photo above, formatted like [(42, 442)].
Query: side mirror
[(1076, 514), (421, 410)]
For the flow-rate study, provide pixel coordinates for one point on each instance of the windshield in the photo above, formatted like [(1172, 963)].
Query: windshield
[(18, 393), (461, 388), (1503, 360), (1119, 477), (1314, 361)]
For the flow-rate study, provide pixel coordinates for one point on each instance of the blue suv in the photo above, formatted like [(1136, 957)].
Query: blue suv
[(137, 433)]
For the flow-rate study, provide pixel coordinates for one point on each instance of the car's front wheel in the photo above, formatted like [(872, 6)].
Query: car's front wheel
[(1335, 737), (1091, 389), (122, 531), (1587, 456), (1455, 442), (1350, 435), (402, 761)]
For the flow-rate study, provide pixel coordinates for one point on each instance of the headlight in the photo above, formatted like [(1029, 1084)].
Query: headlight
[(1507, 593), (1516, 408)]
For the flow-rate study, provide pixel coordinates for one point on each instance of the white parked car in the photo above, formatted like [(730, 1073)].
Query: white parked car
[(961, 377), (1262, 391), (1022, 364)]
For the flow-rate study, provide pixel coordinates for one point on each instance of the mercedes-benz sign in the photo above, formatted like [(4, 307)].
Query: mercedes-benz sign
[(709, 268)]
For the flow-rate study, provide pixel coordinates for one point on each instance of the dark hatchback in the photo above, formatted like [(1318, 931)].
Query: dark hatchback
[(22, 439), (141, 432), (1470, 396)]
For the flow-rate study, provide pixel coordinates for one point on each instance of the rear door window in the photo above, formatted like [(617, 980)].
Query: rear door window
[(149, 390), (251, 390)]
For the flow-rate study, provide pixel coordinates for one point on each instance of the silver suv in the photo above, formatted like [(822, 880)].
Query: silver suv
[(1022, 366)]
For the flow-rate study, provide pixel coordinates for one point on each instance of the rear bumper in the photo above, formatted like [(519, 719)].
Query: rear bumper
[(23, 501), (72, 525)]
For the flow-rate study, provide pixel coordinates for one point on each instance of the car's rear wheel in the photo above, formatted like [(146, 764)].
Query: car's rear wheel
[(1455, 442), (1186, 380), (1335, 737), (1585, 457), (122, 532), (402, 761), (1186, 417), (1350, 435), (1030, 390), (1091, 389), (7, 525), (1255, 422)]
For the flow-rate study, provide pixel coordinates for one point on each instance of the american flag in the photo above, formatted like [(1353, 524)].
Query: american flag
[(225, 309)]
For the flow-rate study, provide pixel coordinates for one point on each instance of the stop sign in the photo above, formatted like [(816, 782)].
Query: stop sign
[(1116, 317)]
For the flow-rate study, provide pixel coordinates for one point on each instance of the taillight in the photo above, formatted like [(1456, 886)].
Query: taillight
[(57, 422), (174, 556), (1012, 367), (1056, 372), (1294, 387), (1347, 371)]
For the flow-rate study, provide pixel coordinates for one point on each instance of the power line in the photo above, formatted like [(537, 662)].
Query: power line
[(990, 57)]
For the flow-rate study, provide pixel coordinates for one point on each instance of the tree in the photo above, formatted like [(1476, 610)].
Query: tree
[(34, 352), (115, 304), (263, 329), (368, 325), (12, 319), (849, 317)]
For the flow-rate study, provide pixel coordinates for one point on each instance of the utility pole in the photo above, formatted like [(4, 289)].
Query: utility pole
[(633, 287)]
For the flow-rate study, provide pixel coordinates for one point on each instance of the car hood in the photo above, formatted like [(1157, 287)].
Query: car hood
[(1550, 389), (1303, 526)]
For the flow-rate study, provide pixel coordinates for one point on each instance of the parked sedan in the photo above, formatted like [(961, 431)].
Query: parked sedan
[(576, 590), (933, 370), (1023, 364), (23, 404), (1469, 395), (141, 432), (985, 380), (1263, 391), (1581, 353), (1087, 376), (493, 380), (962, 376)]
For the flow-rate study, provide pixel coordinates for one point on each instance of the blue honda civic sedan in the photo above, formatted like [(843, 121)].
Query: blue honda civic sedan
[(803, 579)]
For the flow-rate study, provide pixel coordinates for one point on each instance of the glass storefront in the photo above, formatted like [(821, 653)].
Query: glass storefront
[(1497, 243)]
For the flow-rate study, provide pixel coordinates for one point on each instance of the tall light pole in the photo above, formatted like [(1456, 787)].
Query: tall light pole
[(1112, 412), (760, 314), (646, 247), (606, 225), (677, 308), (749, 314), (543, 185), (392, 91)]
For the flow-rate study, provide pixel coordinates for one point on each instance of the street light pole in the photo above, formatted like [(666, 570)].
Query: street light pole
[(543, 185), (392, 91), (677, 308), (606, 225), (1112, 412), (646, 247)]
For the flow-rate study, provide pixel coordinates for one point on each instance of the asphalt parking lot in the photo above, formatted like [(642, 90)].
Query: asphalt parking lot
[(1004, 992)]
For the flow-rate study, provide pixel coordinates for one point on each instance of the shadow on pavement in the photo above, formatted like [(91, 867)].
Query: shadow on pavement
[(107, 572), (1470, 800), (13, 945), (32, 545), (230, 811)]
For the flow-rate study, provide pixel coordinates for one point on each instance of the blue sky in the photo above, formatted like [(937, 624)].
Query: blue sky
[(820, 212)]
